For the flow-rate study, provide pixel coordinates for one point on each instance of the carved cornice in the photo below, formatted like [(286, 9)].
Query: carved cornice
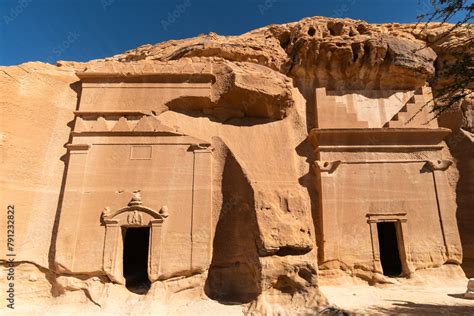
[(386, 217), (145, 69), (201, 147), (362, 139), (111, 113), (78, 147)]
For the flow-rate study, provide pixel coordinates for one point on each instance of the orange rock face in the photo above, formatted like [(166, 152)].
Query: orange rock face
[(248, 169)]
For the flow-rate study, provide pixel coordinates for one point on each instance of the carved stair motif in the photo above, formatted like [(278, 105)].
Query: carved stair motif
[(333, 114), (119, 122), (415, 113), (121, 125), (143, 125)]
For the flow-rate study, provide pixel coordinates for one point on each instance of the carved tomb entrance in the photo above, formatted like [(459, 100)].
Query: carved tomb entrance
[(120, 150), (394, 177), (135, 258), (388, 246)]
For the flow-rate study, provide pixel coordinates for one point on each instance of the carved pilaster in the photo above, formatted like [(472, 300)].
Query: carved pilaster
[(111, 260), (201, 233), (155, 250), (72, 201), (446, 210)]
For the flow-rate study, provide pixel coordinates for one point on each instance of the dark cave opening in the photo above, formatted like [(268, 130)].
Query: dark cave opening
[(389, 252), (135, 259)]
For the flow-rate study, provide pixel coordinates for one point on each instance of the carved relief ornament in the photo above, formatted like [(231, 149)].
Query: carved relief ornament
[(438, 164), (136, 211), (326, 166)]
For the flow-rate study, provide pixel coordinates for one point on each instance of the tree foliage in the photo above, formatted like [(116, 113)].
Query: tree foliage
[(455, 80)]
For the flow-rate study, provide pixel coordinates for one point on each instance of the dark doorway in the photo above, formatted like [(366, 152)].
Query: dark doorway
[(389, 253), (135, 259)]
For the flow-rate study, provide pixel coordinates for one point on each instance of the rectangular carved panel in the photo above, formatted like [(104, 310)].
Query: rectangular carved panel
[(140, 152)]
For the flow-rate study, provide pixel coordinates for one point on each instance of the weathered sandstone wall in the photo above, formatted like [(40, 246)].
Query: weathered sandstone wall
[(257, 118)]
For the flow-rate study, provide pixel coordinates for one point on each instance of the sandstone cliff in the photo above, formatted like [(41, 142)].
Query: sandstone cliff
[(258, 117)]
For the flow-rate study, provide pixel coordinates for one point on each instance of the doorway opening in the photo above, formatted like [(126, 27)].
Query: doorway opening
[(135, 259), (389, 252)]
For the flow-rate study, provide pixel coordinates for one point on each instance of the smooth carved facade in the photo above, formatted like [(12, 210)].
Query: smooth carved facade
[(127, 170), (375, 164), (370, 171)]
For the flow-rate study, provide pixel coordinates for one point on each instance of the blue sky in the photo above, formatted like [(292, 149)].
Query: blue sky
[(80, 30)]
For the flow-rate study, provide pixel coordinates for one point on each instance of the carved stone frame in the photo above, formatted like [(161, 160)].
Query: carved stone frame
[(132, 216), (400, 220)]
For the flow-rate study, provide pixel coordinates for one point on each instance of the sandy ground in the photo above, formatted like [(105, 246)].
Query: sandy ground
[(190, 308), (429, 292), (408, 299), (355, 299)]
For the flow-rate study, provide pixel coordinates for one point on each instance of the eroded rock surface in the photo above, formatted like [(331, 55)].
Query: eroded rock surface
[(251, 100)]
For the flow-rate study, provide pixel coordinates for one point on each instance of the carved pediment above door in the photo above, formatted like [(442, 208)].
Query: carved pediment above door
[(133, 215)]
